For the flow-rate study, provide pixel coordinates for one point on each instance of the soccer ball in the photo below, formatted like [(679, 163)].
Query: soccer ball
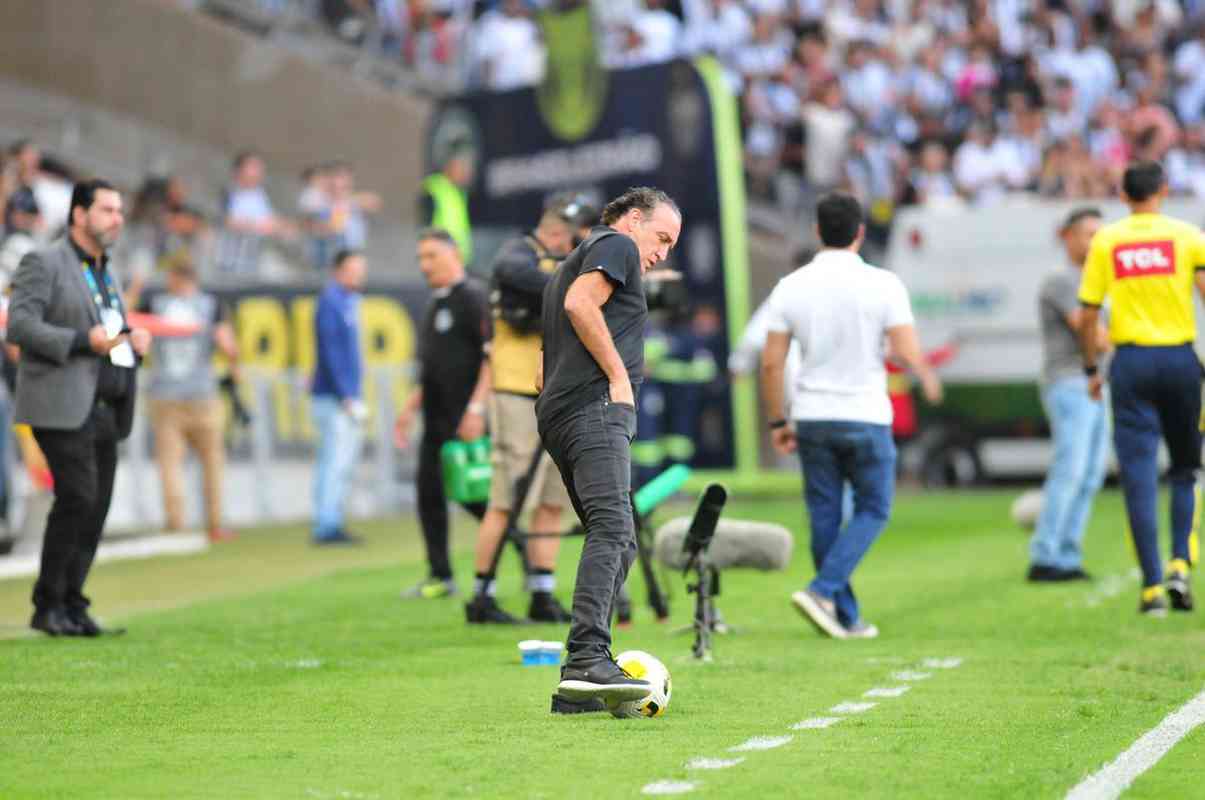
[(640, 664), (1027, 508)]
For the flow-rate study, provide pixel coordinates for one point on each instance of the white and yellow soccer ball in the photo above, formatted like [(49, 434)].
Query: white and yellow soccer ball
[(640, 664)]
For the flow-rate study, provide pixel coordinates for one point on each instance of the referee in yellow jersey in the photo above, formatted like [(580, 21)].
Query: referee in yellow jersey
[(1146, 265)]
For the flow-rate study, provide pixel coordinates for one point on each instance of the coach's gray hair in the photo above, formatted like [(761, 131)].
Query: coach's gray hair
[(645, 198)]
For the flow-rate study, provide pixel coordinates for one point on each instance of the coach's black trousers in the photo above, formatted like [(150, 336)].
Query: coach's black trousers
[(82, 463), (592, 448), (432, 502)]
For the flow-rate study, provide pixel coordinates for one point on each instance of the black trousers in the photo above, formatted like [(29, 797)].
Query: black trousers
[(592, 448), (432, 502), (82, 462)]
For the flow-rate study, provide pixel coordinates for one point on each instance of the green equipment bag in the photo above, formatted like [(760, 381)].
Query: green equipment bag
[(467, 470)]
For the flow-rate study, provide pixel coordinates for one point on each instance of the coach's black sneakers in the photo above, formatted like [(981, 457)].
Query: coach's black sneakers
[(546, 608), (601, 679), (1178, 588), (484, 610), (1154, 602)]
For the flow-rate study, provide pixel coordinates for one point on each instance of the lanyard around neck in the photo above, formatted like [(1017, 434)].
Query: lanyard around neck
[(97, 297)]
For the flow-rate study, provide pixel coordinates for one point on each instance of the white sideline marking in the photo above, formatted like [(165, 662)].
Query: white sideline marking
[(173, 544), (942, 663), (815, 723), (1111, 586), (713, 763), (909, 675), (1116, 776), (887, 691), (852, 708), (305, 663), (885, 660), (670, 787), (760, 743)]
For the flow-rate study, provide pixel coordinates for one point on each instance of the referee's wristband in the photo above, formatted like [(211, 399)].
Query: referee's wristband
[(1090, 370), (778, 423)]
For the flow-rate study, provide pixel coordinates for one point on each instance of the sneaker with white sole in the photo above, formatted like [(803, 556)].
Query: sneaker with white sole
[(1178, 587), (862, 630), (820, 612), (602, 679)]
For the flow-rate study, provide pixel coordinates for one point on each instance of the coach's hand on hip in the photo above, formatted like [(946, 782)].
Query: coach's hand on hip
[(783, 439), (620, 391)]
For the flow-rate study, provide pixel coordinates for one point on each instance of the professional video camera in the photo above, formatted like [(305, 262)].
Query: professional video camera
[(665, 290)]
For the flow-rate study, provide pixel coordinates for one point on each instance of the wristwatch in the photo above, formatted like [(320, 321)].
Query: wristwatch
[(1090, 370)]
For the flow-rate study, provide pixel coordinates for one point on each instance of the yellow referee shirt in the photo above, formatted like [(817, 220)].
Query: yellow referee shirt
[(1145, 264)]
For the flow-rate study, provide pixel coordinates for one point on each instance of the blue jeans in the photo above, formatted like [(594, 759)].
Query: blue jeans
[(1079, 427), (832, 455), (339, 439), (1156, 393)]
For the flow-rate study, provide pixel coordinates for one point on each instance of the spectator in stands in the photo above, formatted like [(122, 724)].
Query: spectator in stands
[(869, 84), (249, 217), (313, 207), (931, 182), (1189, 68), (349, 208), (510, 51), (828, 125), (22, 213), (985, 166), (651, 36), (1065, 116), (429, 46), (186, 410)]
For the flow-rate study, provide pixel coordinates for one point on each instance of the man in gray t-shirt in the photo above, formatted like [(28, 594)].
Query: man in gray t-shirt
[(1078, 425), (186, 410)]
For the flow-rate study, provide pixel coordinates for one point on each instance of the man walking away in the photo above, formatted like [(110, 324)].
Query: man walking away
[(1146, 265), (594, 315), (336, 403), (186, 410), (521, 270), (453, 389), (76, 390), (1079, 426), (841, 311)]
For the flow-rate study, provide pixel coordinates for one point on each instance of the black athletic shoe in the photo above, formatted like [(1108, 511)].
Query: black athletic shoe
[(1179, 590), (563, 705), (1040, 573), (484, 610), (603, 680), (1077, 574), (546, 608)]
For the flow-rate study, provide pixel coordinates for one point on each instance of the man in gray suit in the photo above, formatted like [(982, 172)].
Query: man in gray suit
[(75, 389)]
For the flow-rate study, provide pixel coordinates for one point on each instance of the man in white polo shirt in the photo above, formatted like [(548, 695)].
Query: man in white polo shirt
[(847, 318)]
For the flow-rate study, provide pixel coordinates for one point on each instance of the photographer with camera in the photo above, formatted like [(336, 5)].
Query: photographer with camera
[(521, 270)]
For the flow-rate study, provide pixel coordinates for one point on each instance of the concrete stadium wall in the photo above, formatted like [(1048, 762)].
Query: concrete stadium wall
[(186, 73)]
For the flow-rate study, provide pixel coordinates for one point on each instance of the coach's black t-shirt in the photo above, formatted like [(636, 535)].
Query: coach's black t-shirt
[(451, 349), (572, 377)]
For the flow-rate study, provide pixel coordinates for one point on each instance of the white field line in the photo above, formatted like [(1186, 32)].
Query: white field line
[(172, 544), (670, 787), (911, 675), (852, 708), (942, 663), (760, 743), (1116, 776), (713, 763), (1111, 586), (887, 691), (816, 723)]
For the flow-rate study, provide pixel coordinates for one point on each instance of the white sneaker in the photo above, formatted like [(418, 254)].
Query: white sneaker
[(820, 612), (862, 630)]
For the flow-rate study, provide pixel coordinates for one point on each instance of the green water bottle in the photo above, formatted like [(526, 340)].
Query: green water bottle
[(467, 470)]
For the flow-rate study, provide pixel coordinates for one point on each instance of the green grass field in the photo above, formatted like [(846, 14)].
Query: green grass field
[(267, 669)]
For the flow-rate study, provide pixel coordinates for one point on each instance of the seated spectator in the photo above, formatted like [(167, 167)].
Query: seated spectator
[(510, 51), (869, 84), (1065, 116), (932, 183), (1189, 69), (986, 167), (1186, 163), (249, 217)]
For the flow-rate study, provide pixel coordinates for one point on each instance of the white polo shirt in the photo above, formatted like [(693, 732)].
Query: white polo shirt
[(838, 309)]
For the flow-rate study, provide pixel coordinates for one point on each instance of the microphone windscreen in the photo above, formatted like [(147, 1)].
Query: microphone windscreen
[(737, 543)]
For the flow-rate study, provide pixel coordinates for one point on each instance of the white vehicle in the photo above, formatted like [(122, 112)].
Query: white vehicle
[(974, 275)]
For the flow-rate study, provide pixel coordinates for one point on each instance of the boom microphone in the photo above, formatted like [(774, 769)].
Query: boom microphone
[(702, 527), (737, 543)]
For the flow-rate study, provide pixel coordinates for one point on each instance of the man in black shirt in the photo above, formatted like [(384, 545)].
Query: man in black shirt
[(594, 315), (75, 389), (453, 387)]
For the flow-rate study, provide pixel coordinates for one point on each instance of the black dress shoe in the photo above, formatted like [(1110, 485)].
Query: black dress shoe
[(54, 622), (1040, 573), (90, 627)]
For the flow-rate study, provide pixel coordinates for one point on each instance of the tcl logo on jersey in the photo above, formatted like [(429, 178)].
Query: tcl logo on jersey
[(1144, 258)]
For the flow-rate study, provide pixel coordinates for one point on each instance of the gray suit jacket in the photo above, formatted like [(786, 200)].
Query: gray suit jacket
[(50, 303)]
